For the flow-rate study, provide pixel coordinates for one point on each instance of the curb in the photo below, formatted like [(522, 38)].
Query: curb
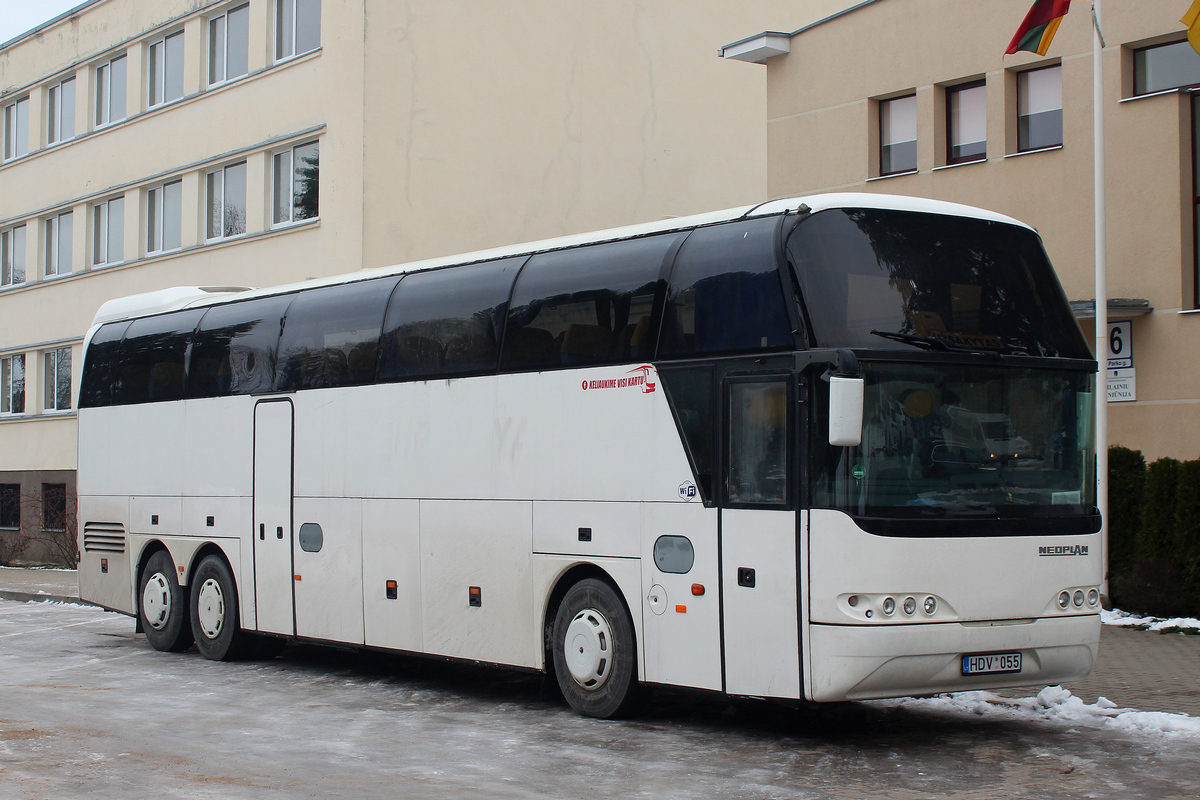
[(29, 597)]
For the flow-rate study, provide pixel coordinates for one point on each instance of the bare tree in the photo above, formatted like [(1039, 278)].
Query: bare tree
[(51, 521)]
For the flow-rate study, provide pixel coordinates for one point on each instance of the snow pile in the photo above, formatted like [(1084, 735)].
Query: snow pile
[(1126, 620), (1055, 705)]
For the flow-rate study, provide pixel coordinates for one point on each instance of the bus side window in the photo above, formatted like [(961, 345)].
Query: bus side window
[(331, 335), (585, 306), (233, 350), (446, 322), (725, 294), (152, 357), (100, 366)]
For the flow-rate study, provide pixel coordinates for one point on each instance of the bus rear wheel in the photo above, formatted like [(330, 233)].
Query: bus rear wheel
[(163, 606), (593, 651), (214, 613)]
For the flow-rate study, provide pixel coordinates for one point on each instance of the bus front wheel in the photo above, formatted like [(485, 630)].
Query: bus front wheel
[(595, 661), (214, 613), (163, 606)]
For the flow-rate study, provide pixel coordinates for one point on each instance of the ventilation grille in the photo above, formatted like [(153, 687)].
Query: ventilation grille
[(103, 537)]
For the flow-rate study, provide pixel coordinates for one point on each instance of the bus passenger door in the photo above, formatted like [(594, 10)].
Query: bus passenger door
[(273, 516), (759, 564)]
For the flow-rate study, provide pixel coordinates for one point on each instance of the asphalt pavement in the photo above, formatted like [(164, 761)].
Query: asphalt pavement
[(1136, 669)]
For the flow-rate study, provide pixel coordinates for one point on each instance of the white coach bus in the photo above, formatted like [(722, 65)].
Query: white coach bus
[(826, 448)]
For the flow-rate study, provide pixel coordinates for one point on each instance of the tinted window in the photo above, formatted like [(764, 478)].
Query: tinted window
[(725, 295), (100, 366), (331, 335), (904, 280), (233, 351), (447, 321), (152, 357), (587, 305), (692, 395)]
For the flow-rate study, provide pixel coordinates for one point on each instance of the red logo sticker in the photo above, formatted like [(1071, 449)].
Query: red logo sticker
[(636, 377)]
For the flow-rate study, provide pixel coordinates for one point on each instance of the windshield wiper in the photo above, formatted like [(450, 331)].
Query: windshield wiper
[(925, 342)]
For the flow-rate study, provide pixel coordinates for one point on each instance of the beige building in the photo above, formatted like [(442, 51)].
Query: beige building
[(918, 98), (155, 143)]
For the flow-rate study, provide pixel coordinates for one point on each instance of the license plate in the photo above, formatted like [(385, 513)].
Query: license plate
[(991, 663)]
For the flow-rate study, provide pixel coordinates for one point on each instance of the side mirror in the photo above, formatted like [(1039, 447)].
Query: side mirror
[(845, 411)]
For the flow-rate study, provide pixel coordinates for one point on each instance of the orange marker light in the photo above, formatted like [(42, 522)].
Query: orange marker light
[(697, 589), (296, 577), (681, 609)]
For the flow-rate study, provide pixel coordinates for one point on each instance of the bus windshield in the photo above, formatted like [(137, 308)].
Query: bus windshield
[(903, 280), (962, 442)]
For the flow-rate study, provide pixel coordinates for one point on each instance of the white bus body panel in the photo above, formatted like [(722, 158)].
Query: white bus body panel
[(762, 623), (681, 647), (328, 586), (391, 544), (612, 529), (271, 531)]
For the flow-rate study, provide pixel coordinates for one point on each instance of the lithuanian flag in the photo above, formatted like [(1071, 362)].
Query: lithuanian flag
[(1037, 31), (1192, 20)]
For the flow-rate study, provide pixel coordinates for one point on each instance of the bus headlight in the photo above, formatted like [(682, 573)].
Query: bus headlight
[(1093, 597), (910, 605), (889, 606), (1064, 600), (930, 605), (1078, 597)]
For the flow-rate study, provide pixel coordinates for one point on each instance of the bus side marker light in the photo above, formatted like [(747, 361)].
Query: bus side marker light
[(391, 590), (104, 565), (296, 577), (697, 589), (474, 596), (681, 609)]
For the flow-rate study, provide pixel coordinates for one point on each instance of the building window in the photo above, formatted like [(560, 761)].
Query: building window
[(164, 217), (226, 203), (10, 506), (166, 70), (60, 112), (54, 506), (110, 91), (16, 129), (108, 232), (1165, 66), (1039, 108), (58, 244), (12, 256), (898, 135), (296, 184), (1196, 200), (229, 45), (966, 121), (58, 380), (297, 27), (12, 384)]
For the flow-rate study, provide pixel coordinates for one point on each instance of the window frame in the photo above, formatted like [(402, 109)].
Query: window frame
[(1023, 76), (103, 94), (9, 252), (1139, 52), (884, 106), (54, 112), (6, 504), (158, 69), (952, 94), (16, 134), (48, 511), (208, 201), (280, 21), (275, 185), (52, 386), (101, 239), (8, 395), (790, 439), (156, 217), (54, 246), (223, 19)]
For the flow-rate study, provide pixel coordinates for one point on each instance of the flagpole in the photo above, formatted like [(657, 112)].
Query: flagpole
[(1101, 292)]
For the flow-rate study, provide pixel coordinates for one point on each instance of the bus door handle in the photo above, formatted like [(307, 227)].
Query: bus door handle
[(262, 530), (279, 532)]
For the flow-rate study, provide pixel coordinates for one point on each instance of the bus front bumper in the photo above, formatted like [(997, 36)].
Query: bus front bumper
[(861, 662)]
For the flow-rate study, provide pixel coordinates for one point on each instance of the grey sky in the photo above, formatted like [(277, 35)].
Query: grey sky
[(19, 16)]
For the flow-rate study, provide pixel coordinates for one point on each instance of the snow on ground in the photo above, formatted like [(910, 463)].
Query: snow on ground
[(1055, 705), (1124, 619)]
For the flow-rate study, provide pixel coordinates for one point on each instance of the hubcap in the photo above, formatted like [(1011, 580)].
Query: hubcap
[(588, 649), (211, 607), (156, 601)]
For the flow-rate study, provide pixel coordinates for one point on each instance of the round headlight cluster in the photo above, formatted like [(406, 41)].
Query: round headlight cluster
[(930, 605), (889, 606), (1093, 597), (910, 605), (1064, 600)]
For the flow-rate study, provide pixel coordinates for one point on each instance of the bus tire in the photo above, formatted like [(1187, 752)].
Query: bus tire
[(163, 604), (595, 660), (214, 613)]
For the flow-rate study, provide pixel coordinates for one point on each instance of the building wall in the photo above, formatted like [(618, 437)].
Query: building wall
[(823, 101), (443, 125)]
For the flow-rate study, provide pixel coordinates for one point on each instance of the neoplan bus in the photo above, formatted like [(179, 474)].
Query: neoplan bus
[(824, 448)]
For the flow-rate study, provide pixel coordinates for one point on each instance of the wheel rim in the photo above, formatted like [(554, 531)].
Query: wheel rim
[(588, 649), (211, 606), (156, 601)]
